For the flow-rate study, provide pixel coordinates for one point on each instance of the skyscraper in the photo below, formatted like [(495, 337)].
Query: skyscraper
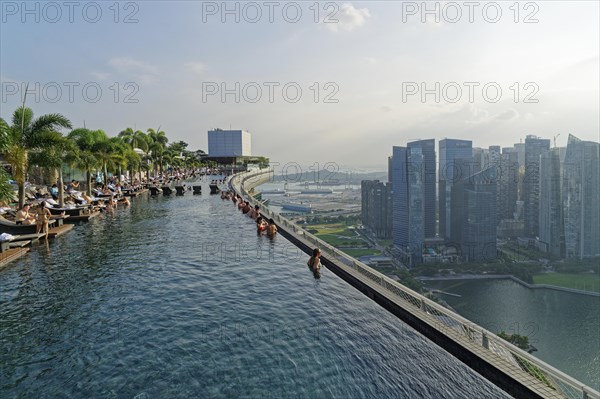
[(473, 215), (452, 153), (581, 196), (376, 207), (479, 159), (408, 203), (520, 149), (508, 175), (427, 149), (229, 143), (534, 147), (551, 228)]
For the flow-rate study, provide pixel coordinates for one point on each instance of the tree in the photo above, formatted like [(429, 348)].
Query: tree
[(85, 140), (158, 142), (54, 156), (5, 188), (137, 139), (110, 154), (26, 135), (521, 341)]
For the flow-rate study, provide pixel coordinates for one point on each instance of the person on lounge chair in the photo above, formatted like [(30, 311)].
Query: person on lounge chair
[(54, 191), (24, 217)]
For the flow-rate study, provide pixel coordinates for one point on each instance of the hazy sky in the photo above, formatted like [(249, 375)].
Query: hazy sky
[(360, 66)]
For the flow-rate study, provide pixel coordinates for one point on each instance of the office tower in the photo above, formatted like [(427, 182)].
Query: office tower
[(508, 175), (427, 149), (534, 147), (520, 148), (376, 207), (562, 151), (229, 143), (451, 151), (581, 198), (473, 215), (479, 159), (551, 230), (408, 203), (493, 157)]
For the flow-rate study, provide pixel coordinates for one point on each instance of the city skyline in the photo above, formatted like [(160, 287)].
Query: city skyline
[(376, 61)]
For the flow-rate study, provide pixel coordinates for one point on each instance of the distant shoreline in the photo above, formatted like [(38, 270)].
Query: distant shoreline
[(508, 277)]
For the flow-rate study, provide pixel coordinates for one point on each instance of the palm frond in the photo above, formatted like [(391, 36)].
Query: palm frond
[(50, 122)]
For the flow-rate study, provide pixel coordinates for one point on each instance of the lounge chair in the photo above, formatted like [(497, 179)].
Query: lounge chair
[(7, 226)]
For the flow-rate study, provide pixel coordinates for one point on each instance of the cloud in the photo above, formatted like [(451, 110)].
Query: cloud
[(196, 67), (371, 60), (347, 18), (470, 115), (100, 75), (507, 115), (141, 71)]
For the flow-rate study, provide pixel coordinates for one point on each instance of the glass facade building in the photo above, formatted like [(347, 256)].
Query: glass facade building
[(229, 143), (376, 207), (580, 196), (452, 153), (534, 148), (551, 237), (473, 216), (408, 203), (427, 150)]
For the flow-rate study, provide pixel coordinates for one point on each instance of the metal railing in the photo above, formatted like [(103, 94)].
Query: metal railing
[(546, 378)]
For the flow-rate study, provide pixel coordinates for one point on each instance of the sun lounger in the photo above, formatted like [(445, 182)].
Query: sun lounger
[(7, 226), (155, 190)]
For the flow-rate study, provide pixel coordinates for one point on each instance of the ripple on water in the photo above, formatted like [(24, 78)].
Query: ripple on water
[(177, 297)]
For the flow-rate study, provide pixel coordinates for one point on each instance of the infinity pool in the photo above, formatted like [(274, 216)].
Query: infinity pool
[(178, 297)]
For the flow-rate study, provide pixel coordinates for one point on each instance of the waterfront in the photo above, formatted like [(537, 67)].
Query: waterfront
[(563, 326), (178, 297)]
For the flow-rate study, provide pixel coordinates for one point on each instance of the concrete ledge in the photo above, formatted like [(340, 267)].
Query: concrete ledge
[(484, 367)]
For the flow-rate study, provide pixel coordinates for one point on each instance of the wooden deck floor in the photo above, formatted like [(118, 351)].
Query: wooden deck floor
[(12, 254), (60, 230)]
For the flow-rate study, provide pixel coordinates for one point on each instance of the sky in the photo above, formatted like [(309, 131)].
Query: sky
[(315, 83)]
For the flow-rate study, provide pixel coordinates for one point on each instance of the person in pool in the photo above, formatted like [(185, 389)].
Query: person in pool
[(42, 217), (314, 263), (261, 225), (254, 212), (271, 229), (247, 208)]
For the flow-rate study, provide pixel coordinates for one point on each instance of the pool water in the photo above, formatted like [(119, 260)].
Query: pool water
[(178, 297)]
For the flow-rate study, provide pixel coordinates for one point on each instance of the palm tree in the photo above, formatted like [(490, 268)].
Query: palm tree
[(5, 188), (132, 159), (27, 134), (109, 153), (62, 150), (136, 139), (158, 144), (85, 140)]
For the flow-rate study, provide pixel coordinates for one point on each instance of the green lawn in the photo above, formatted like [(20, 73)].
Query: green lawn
[(342, 241), (587, 282), (514, 255), (335, 229), (356, 253)]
